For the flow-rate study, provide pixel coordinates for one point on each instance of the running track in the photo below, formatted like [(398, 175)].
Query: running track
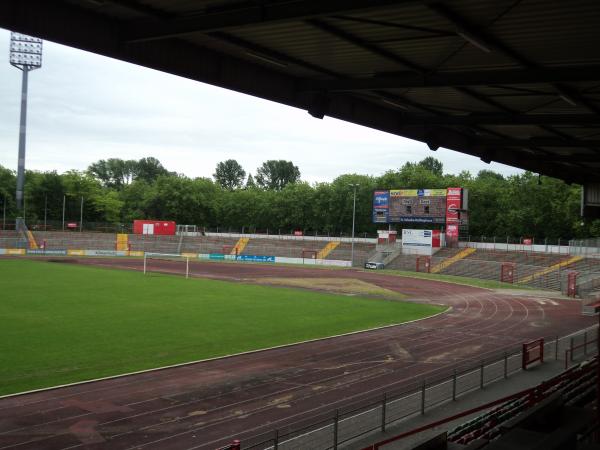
[(205, 405)]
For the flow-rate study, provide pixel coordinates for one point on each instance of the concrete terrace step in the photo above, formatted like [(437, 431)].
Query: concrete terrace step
[(452, 260)]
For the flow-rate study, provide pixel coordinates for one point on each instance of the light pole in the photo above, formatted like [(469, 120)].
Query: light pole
[(4, 213), (353, 186), (81, 215), (25, 55)]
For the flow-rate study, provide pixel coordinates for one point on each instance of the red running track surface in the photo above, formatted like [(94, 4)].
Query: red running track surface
[(207, 404)]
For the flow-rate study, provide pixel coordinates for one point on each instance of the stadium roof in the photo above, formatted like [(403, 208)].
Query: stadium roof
[(512, 81)]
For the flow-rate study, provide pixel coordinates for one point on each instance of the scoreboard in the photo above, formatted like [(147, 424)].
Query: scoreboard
[(434, 206)]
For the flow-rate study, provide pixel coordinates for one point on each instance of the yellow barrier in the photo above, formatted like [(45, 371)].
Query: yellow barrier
[(325, 251), (15, 251), (448, 262), (240, 246), (552, 268), (122, 242), (32, 243), (136, 253), (189, 255), (76, 252)]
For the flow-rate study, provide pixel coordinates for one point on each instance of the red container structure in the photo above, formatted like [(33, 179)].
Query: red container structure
[(158, 227)]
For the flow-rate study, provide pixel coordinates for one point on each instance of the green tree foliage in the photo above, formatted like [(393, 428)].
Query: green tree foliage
[(114, 172), (229, 174), (276, 174), (149, 169), (435, 166), (519, 205), (8, 185)]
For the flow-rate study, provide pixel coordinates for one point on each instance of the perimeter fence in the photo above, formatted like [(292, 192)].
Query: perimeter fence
[(381, 408)]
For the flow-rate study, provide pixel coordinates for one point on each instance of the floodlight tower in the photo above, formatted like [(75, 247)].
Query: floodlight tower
[(353, 186), (25, 55)]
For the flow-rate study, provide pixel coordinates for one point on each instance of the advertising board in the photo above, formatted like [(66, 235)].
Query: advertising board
[(41, 251), (409, 206), (381, 204), (453, 205), (433, 206), (105, 253), (256, 258), (416, 238), (421, 238)]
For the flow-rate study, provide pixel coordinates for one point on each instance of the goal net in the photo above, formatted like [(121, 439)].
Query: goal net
[(166, 263)]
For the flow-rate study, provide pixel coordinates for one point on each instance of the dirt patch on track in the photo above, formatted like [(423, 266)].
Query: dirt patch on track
[(334, 286)]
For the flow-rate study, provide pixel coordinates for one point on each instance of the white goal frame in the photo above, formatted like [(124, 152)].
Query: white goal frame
[(167, 257)]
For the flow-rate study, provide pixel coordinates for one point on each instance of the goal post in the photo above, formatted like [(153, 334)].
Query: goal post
[(167, 257)]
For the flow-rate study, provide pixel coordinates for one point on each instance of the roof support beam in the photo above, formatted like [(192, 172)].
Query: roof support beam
[(504, 119), (409, 80), (540, 142), (250, 13), (372, 48), (477, 35)]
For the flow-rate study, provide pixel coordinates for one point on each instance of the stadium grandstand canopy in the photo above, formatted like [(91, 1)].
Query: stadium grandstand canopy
[(517, 82)]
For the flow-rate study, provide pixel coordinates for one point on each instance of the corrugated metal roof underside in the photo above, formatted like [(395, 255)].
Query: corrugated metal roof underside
[(316, 49)]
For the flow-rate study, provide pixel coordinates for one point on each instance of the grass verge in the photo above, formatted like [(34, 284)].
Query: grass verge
[(61, 323), (488, 284)]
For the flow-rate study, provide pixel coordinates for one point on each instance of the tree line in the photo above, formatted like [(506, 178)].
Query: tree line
[(118, 191)]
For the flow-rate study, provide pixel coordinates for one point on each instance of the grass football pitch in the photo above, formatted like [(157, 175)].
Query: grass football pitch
[(61, 323)]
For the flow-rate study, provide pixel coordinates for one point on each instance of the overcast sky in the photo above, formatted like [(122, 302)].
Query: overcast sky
[(84, 107)]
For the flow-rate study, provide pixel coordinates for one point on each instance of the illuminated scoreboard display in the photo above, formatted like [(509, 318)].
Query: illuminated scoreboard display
[(410, 206)]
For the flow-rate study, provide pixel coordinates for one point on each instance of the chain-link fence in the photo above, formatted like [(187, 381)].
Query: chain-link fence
[(341, 426), (585, 247)]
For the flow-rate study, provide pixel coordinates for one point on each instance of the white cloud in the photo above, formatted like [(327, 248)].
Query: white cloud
[(84, 107)]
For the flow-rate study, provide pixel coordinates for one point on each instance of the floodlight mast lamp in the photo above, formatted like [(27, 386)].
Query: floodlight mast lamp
[(25, 55)]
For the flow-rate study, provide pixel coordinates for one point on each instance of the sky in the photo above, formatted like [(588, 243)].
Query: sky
[(85, 107)]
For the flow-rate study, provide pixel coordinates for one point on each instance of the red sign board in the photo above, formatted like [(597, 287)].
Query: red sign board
[(72, 225), (453, 205), (298, 233), (527, 241), (159, 227), (452, 232), (435, 238)]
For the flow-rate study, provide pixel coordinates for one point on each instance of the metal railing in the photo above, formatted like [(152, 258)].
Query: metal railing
[(586, 247), (346, 424), (531, 271)]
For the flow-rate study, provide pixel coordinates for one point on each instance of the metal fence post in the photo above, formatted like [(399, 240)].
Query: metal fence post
[(383, 406), (505, 365), (556, 350), (572, 339), (585, 342), (481, 376), (423, 398), (454, 385), (336, 421), (276, 440)]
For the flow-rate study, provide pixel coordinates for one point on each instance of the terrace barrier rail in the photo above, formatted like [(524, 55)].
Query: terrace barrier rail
[(379, 410)]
